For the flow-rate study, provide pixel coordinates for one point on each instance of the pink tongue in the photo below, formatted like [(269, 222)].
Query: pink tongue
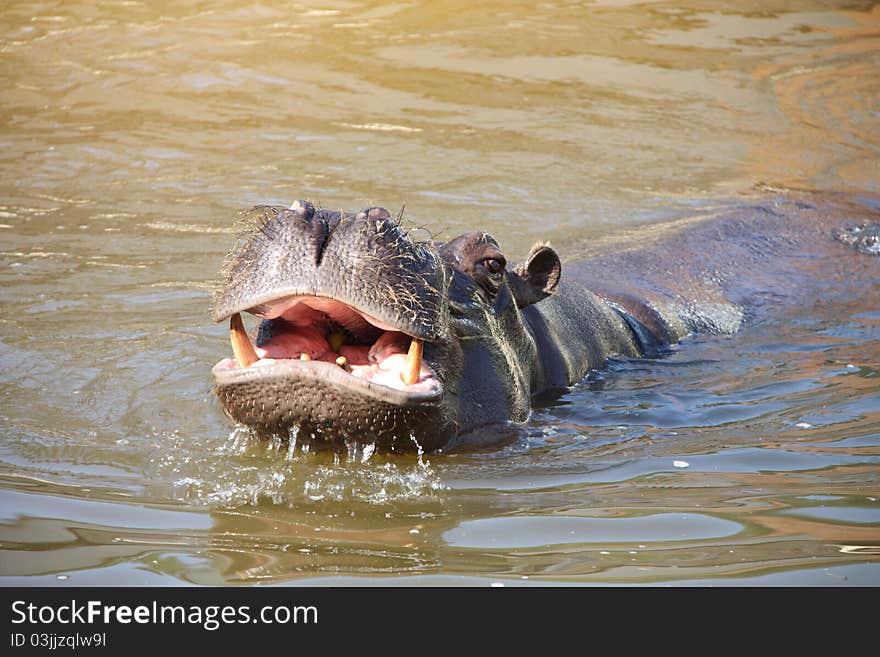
[(391, 342), (356, 354), (385, 362), (291, 344), (311, 341)]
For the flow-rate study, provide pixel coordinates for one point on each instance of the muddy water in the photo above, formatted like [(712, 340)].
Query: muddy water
[(131, 137)]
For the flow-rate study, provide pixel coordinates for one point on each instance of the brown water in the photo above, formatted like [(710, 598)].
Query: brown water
[(132, 135)]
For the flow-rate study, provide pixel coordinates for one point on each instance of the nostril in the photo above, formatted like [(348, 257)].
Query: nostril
[(320, 234), (315, 225), (382, 230)]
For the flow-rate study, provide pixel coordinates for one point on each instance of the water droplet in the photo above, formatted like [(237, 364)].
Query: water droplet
[(367, 452)]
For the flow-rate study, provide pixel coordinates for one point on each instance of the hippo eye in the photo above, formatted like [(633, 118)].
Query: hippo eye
[(488, 273)]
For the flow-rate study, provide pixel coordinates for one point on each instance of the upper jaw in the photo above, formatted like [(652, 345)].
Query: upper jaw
[(367, 263), (277, 301)]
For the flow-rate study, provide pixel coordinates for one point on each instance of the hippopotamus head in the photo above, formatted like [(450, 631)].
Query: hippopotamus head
[(370, 336)]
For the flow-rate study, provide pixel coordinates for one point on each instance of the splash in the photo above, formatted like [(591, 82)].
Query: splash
[(243, 469)]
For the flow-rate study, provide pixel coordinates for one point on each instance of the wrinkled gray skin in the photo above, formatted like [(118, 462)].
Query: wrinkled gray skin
[(496, 335)]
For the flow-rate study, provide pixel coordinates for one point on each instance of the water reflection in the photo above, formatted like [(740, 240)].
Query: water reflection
[(537, 531)]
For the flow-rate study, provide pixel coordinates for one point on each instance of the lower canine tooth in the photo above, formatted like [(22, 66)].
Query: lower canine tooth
[(305, 357), (342, 361), (241, 344), (413, 367)]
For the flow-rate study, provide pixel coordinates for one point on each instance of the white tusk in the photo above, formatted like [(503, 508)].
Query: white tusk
[(413, 368), (241, 344)]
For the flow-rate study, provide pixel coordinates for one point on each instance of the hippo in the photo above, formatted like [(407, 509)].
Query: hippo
[(371, 336)]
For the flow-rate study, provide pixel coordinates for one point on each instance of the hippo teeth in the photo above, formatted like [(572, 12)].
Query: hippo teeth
[(413, 367), (241, 344)]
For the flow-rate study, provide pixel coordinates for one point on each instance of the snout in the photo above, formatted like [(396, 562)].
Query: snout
[(347, 303), (365, 260)]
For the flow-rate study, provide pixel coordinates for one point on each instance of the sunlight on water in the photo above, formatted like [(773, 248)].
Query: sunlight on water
[(133, 135)]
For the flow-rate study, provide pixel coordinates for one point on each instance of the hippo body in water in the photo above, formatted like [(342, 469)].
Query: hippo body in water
[(370, 336)]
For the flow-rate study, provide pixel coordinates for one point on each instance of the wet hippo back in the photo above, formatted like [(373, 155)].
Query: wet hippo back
[(710, 274)]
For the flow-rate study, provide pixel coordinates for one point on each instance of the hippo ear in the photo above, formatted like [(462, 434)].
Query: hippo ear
[(537, 277)]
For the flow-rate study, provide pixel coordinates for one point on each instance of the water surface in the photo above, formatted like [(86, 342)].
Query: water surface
[(132, 135)]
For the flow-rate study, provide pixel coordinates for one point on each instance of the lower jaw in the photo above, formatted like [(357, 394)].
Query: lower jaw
[(333, 418)]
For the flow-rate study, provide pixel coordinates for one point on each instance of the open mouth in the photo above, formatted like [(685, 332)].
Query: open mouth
[(320, 336)]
